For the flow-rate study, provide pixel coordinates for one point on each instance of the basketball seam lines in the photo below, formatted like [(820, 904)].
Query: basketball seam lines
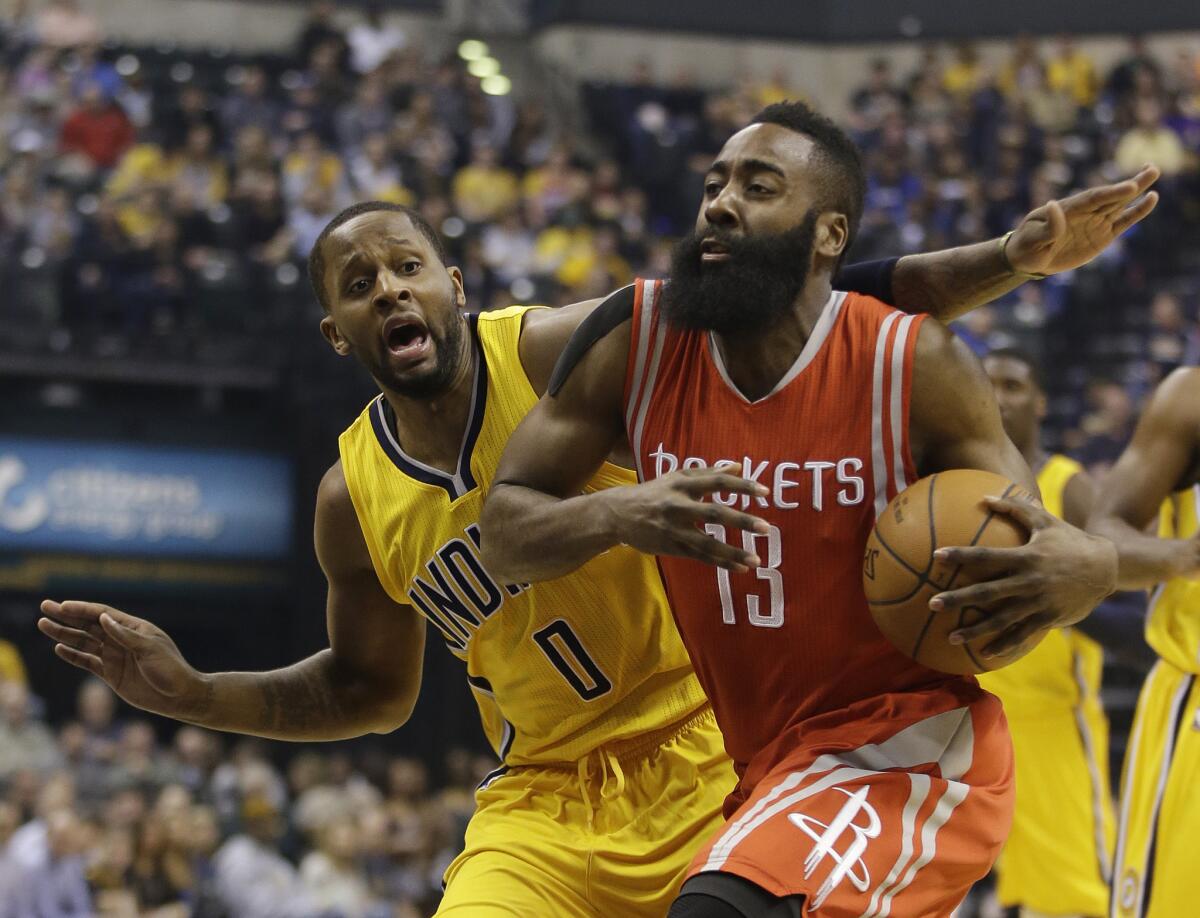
[(978, 535), (924, 577)]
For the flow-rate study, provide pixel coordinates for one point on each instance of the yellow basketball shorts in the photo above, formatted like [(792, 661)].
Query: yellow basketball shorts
[(612, 837), (1155, 871), (1057, 857)]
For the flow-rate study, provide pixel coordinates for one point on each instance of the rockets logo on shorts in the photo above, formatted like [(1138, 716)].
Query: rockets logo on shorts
[(848, 864)]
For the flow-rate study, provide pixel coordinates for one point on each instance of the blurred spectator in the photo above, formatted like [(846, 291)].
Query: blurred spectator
[(1071, 70), (90, 67), (249, 105), (64, 24), (1174, 339), (333, 874), (483, 189), (312, 165), (367, 115), (1150, 140), (190, 107), (197, 171), (253, 879), (878, 99), (96, 709), (26, 744), (965, 74), (1137, 67), (374, 173), (320, 29), (372, 40), (96, 133), (11, 667), (56, 887)]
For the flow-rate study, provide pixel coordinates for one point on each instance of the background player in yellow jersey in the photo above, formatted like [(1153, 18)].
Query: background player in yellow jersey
[(617, 771), (1058, 856), (1154, 873)]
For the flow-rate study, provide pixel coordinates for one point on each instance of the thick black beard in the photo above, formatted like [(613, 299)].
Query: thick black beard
[(748, 293), (449, 353)]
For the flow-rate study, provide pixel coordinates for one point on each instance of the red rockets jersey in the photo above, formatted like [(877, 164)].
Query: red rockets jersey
[(793, 639)]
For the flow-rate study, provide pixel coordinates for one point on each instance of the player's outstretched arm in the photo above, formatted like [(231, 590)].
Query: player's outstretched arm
[(1158, 460), (536, 523), (366, 681), (1056, 578), (1056, 237)]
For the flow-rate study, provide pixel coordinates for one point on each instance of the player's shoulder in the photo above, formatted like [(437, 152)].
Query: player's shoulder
[(561, 337), (1181, 386), (333, 493)]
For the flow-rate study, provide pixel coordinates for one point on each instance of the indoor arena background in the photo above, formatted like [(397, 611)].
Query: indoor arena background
[(167, 405)]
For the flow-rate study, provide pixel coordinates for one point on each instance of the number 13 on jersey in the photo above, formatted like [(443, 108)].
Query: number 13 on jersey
[(751, 542)]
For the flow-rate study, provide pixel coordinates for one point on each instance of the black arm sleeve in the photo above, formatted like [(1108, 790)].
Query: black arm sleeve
[(872, 278), (614, 310)]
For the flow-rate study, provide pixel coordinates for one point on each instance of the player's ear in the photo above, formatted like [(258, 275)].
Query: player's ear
[(1040, 406), (832, 234), (460, 290), (333, 335)]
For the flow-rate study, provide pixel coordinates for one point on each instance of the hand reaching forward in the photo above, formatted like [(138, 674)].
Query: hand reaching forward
[(1064, 234), (138, 660), (1053, 580), (666, 516)]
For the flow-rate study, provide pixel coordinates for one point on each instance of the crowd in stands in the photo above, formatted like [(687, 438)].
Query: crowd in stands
[(101, 817), (151, 194)]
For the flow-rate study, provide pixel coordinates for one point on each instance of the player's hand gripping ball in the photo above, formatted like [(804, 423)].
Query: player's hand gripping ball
[(900, 574)]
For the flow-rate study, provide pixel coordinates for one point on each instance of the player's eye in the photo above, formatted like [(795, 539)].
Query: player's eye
[(712, 189), (410, 267), (758, 188), (360, 286)]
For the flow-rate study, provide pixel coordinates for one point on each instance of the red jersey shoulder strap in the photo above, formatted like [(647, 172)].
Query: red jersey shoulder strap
[(892, 337), (646, 341)]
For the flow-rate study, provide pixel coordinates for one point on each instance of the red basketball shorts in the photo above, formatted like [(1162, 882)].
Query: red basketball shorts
[(895, 812)]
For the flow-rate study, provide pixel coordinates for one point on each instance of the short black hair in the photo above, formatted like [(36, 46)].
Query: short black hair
[(838, 152), (316, 257), (1021, 356)]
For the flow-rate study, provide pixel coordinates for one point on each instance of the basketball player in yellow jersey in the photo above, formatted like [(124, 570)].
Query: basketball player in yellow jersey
[(1154, 874), (1057, 858), (612, 770)]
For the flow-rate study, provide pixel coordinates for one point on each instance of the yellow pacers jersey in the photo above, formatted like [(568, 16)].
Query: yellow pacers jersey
[(1173, 619), (1057, 856), (559, 667), (1155, 869)]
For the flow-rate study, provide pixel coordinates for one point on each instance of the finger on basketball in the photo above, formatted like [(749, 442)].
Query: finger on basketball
[(1016, 635), (985, 595), (995, 619), (1021, 509), (977, 562)]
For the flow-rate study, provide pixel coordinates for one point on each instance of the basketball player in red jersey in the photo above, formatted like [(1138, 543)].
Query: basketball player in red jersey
[(868, 785)]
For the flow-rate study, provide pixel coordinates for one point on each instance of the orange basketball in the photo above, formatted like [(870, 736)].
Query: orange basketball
[(900, 574)]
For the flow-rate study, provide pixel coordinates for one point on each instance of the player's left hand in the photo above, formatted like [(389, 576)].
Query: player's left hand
[(1053, 580), (1064, 234)]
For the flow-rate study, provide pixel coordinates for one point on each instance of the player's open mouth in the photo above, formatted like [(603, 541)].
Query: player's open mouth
[(406, 338), (711, 250)]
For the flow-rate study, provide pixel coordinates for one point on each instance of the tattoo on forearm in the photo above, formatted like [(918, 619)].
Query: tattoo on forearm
[(297, 701)]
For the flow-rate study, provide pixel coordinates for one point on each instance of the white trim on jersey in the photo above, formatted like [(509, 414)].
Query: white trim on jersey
[(879, 467), (639, 363), (898, 434), (1093, 764), (649, 307), (881, 899), (821, 330), (1131, 752), (947, 739)]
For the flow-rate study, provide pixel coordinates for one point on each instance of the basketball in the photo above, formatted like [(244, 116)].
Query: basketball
[(900, 574)]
